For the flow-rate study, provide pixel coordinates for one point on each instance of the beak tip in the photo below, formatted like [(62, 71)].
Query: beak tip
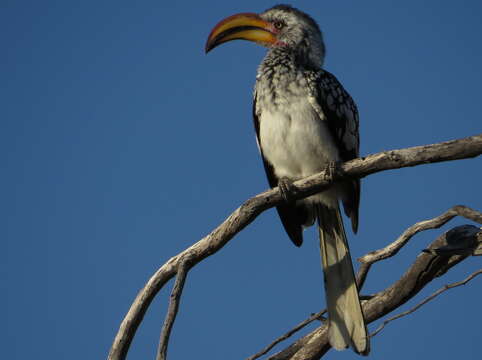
[(210, 44)]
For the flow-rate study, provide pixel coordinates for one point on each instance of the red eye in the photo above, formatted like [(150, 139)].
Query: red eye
[(278, 25)]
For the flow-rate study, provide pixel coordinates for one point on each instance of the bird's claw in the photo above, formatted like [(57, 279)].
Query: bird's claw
[(332, 170), (287, 189)]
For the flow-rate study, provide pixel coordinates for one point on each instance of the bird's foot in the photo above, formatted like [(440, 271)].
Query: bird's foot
[(287, 189), (333, 171)]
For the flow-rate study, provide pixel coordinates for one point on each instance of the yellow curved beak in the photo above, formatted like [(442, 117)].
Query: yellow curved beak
[(245, 26)]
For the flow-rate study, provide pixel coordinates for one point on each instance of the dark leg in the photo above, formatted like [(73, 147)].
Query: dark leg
[(287, 189), (332, 170)]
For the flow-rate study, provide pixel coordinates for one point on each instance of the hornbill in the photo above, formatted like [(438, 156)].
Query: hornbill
[(306, 122)]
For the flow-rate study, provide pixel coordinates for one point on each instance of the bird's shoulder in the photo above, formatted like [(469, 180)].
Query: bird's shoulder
[(337, 107)]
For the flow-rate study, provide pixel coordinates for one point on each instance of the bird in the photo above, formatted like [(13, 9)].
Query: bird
[(306, 122)]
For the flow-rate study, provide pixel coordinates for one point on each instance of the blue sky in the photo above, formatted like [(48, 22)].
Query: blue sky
[(123, 143)]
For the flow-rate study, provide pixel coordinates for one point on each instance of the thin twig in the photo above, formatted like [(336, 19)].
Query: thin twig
[(393, 248), (361, 276), (301, 325), (172, 310), (426, 300)]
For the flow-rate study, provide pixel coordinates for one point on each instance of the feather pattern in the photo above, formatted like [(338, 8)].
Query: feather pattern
[(304, 120), (333, 102)]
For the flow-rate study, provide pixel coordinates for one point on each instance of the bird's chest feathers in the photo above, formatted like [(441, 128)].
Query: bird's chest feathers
[(293, 137)]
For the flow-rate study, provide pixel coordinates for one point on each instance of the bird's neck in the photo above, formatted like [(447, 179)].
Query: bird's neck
[(277, 61), (285, 62), (280, 76)]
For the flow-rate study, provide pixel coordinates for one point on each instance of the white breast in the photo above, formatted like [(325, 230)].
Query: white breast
[(295, 140)]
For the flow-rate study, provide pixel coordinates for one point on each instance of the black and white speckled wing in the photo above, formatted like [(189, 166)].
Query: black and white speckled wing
[(337, 108)]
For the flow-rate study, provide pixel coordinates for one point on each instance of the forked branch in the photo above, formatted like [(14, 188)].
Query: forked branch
[(426, 300), (246, 213), (463, 240), (172, 310), (426, 267)]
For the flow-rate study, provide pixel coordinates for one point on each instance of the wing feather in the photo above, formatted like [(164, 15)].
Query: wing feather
[(339, 110)]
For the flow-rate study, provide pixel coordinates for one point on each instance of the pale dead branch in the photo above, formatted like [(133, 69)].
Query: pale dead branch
[(425, 268), (463, 240), (435, 223), (246, 213), (301, 325), (172, 310), (426, 300)]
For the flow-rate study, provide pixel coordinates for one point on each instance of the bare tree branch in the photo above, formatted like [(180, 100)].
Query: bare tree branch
[(172, 310), (425, 268), (361, 276), (301, 325), (426, 300), (246, 213), (435, 223), (456, 242)]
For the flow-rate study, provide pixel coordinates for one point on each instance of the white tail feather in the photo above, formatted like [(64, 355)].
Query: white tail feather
[(346, 323)]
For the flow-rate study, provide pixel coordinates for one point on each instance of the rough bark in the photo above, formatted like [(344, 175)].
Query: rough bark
[(426, 267), (246, 213)]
